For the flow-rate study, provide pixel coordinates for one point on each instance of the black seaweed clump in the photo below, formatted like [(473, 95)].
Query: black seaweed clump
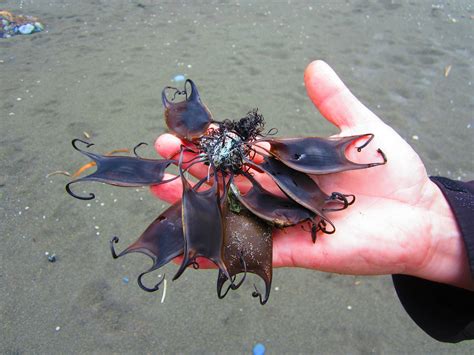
[(227, 145)]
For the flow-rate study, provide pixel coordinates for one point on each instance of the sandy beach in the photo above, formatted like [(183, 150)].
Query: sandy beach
[(99, 67)]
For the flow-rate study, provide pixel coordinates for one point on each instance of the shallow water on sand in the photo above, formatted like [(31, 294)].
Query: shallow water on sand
[(100, 68)]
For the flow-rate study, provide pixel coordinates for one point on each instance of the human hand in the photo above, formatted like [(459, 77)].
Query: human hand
[(400, 222)]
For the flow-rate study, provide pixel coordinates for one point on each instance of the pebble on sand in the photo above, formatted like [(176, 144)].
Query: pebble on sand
[(179, 77), (258, 349)]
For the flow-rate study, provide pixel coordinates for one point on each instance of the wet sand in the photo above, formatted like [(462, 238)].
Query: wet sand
[(100, 68)]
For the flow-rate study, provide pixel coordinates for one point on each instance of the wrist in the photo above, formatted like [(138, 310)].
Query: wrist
[(446, 259)]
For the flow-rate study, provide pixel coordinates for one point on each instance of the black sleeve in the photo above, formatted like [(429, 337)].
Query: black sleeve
[(444, 312)]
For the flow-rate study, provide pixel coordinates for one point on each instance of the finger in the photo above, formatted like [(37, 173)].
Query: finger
[(333, 99), (170, 192), (204, 263), (168, 146), (261, 150)]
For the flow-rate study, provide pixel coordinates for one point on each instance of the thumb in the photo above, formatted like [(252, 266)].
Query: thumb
[(333, 99)]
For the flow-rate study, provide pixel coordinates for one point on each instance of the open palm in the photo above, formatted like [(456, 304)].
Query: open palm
[(392, 225)]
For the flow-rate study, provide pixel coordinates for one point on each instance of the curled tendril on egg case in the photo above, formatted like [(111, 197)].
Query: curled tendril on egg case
[(215, 219)]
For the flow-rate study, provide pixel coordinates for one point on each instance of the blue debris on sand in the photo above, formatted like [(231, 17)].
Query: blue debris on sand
[(125, 280), (258, 349), (179, 77), (26, 29), (12, 25)]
